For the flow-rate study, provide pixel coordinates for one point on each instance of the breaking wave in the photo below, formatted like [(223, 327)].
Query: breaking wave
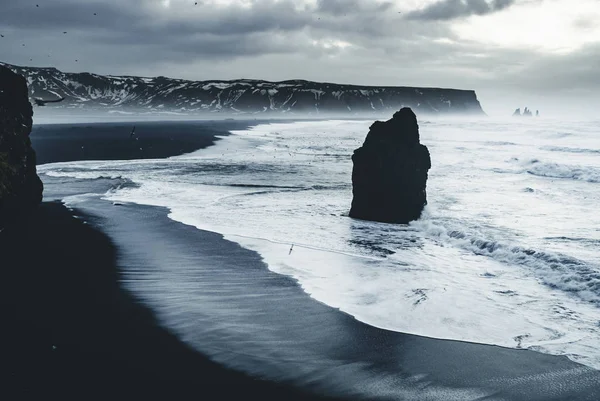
[(569, 150), (555, 270), (552, 170), (563, 171)]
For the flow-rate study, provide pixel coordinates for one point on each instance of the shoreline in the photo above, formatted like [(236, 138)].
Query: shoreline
[(73, 330), (331, 346), (143, 236), (70, 326)]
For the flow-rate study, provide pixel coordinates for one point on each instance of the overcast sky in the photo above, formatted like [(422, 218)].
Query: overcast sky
[(536, 53)]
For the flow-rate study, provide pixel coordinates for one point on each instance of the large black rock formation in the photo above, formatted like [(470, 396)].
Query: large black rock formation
[(389, 177), (20, 187)]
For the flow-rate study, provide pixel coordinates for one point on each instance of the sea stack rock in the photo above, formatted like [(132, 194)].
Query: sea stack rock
[(389, 177), (517, 112), (20, 187)]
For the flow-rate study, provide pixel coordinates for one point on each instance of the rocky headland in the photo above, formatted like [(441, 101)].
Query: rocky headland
[(129, 94), (20, 187)]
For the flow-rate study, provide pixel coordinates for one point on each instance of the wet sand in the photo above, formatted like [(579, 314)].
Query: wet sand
[(70, 331)]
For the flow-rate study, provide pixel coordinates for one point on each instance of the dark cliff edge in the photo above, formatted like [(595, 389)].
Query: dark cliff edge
[(89, 91), (20, 187)]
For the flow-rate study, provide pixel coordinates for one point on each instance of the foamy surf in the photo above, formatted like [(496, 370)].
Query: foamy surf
[(481, 265)]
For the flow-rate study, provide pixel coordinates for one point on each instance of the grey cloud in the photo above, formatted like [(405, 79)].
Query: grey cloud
[(280, 40), (352, 7), (573, 72), (452, 9), (132, 16), (199, 46), (203, 31), (585, 23), (135, 17), (63, 15)]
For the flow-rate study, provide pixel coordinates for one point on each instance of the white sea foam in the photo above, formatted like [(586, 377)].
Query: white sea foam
[(569, 149), (557, 170), (504, 253)]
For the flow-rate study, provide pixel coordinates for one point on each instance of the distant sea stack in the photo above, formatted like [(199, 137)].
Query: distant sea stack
[(20, 186), (296, 97), (389, 176), (526, 113)]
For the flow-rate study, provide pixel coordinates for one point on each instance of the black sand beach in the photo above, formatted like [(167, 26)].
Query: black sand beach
[(71, 332), (92, 311)]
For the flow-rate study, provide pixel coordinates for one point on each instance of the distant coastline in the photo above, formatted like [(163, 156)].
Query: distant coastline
[(242, 97)]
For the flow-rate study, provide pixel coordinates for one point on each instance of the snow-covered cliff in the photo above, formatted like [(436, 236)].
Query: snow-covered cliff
[(243, 96)]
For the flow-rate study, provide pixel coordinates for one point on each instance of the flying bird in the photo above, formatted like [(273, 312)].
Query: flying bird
[(1, 36), (132, 132), (292, 247), (42, 102)]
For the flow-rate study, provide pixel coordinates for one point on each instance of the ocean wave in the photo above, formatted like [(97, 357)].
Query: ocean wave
[(270, 189), (563, 171), (124, 183), (263, 186), (499, 143), (539, 168), (569, 150), (560, 134), (325, 154), (558, 271), (316, 187), (589, 241), (81, 174)]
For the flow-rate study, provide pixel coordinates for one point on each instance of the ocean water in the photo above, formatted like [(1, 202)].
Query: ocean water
[(507, 251)]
